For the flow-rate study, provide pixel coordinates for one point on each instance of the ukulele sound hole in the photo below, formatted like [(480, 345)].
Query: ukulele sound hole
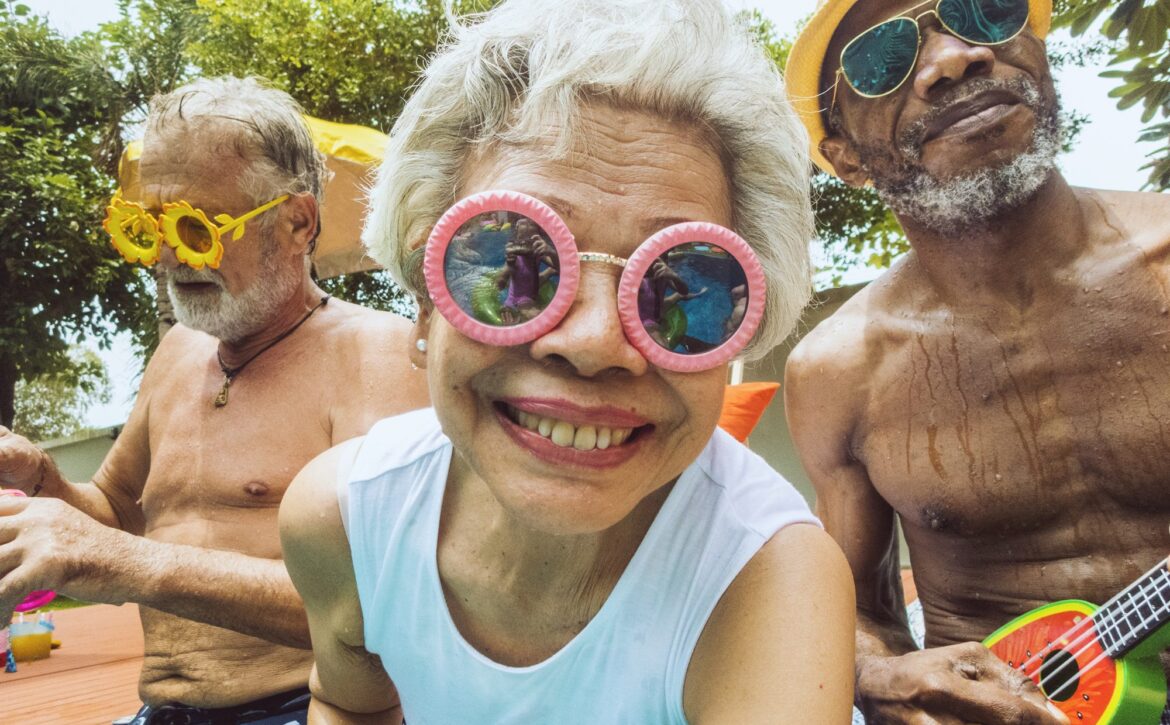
[(1060, 676)]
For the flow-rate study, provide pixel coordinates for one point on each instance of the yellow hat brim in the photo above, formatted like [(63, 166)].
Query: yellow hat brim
[(802, 74)]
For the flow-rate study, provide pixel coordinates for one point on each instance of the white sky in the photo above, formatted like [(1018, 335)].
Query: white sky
[(1107, 154)]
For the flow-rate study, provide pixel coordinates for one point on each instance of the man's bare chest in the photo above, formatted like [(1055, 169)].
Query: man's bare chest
[(206, 459), (1008, 420)]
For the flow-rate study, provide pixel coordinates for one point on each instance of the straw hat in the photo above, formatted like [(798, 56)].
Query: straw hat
[(803, 73)]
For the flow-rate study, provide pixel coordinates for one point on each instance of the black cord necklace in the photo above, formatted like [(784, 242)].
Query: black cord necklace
[(229, 374)]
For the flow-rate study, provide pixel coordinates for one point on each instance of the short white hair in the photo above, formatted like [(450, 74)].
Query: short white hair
[(526, 65), (261, 124)]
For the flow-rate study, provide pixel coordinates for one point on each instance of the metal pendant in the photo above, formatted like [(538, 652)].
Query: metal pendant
[(222, 398)]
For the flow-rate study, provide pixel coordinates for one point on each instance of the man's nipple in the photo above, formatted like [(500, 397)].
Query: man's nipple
[(256, 489)]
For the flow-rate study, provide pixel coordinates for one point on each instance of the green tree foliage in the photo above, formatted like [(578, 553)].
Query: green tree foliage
[(1138, 29), (350, 61), (58, 279), (853, 226), (59, 400)]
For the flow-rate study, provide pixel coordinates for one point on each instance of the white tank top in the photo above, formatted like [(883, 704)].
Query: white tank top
[(629, 662)]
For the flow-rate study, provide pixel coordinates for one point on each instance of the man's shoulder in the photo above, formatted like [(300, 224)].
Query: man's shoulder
[(355, 321), (181, 346), (365, 337), (840, 337), (1143, 217)]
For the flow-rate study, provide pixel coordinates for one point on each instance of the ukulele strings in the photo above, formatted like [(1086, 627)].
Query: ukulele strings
[(1088, 622), (1144, 589), (1104, 654)]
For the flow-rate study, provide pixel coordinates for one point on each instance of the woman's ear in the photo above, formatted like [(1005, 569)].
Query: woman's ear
[(421, 332)]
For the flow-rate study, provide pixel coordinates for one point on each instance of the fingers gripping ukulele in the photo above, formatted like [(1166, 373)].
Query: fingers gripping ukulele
[(1098, 665)]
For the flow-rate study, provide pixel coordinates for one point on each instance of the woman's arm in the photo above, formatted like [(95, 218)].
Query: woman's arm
[(348, 683), (778, 647)]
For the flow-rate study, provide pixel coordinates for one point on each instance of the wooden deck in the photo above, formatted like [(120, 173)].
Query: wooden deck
[(92, 679)]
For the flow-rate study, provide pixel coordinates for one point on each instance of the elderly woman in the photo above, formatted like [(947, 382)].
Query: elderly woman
[(566, 537)]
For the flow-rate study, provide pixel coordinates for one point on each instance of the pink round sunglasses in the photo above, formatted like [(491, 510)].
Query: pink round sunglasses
[(503, 268)]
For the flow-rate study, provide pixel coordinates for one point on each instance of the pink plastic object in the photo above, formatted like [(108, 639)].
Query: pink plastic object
[(435, 273), (636, 269), (37, 599)]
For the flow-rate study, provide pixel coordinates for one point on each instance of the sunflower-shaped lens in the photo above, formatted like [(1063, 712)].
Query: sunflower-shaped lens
[(193, 236), (132, 231)]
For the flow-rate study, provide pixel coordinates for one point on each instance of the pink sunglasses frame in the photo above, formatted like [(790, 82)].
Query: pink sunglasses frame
[(634, 270)]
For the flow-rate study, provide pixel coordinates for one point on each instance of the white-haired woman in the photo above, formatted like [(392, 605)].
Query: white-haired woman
[(565, 537)]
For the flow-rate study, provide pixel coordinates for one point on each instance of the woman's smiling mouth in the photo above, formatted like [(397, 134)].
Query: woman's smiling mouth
[(567, 435)]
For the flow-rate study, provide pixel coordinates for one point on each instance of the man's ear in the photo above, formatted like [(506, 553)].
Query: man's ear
[(841, 154), (301, 215), (421, 331)]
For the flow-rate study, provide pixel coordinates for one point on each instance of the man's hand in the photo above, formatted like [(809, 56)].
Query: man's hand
[(963, 683), (22, 464), (48, 544)]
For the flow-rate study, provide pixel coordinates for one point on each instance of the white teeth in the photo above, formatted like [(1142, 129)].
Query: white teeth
[(603, 438), (566, 435), (586, 438), (562, 433)]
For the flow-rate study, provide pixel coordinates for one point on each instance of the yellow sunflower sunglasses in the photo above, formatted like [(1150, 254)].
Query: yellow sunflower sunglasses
[(137, 234)]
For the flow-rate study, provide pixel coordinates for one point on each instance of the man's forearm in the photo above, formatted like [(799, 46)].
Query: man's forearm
[(881, 638), (226, 589), (84, 497), (87, 498), (877, 639)]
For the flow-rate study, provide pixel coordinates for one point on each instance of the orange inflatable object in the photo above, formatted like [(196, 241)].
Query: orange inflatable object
[(743, 404)]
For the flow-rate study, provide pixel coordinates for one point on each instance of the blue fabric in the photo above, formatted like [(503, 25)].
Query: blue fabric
[(285, 708)]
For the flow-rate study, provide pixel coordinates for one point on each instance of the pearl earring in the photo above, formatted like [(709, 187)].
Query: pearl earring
[(421, 345)]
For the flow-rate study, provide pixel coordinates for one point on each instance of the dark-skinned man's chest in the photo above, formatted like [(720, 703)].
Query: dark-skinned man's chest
[(984, 423)]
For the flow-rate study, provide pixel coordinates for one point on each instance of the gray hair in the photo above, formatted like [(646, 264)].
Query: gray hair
[(530, 64), (261, 124)]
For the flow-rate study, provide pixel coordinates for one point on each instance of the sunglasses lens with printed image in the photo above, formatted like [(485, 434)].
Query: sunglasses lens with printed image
[(692, 298), (879, 60), (501, 268)]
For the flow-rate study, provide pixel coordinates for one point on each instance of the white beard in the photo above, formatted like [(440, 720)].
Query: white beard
[(951, 206), (232, 317), (955, 205)]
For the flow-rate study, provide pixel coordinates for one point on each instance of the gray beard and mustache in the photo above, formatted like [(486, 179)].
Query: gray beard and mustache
[(233, 318), (955, 205)]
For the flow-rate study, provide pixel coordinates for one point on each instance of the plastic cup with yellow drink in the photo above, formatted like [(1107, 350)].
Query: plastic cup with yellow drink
[(31, 639)]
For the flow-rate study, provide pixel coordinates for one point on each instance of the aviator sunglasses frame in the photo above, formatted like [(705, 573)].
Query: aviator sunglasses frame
[(126, 218), (917, 21), (634, 270)]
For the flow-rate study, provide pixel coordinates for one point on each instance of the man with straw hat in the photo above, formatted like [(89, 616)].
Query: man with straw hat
[(1004, 390)]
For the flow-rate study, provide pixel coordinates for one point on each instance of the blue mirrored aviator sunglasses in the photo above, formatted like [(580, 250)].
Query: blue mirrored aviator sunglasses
[(879, 60)]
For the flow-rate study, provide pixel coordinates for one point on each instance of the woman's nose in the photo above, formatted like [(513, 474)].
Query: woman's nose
[(590, 337)]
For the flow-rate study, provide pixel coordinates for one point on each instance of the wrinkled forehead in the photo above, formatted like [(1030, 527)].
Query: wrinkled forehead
[(189, 161), (190, 140), (862, 16)]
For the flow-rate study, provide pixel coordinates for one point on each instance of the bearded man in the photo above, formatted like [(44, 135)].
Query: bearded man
[(1004, 390), (263, 373)]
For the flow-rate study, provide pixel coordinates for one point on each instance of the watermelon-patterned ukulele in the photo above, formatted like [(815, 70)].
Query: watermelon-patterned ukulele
[(1099, 665)]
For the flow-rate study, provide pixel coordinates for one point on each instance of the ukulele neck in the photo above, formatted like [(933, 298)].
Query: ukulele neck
[(1127, 619)]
